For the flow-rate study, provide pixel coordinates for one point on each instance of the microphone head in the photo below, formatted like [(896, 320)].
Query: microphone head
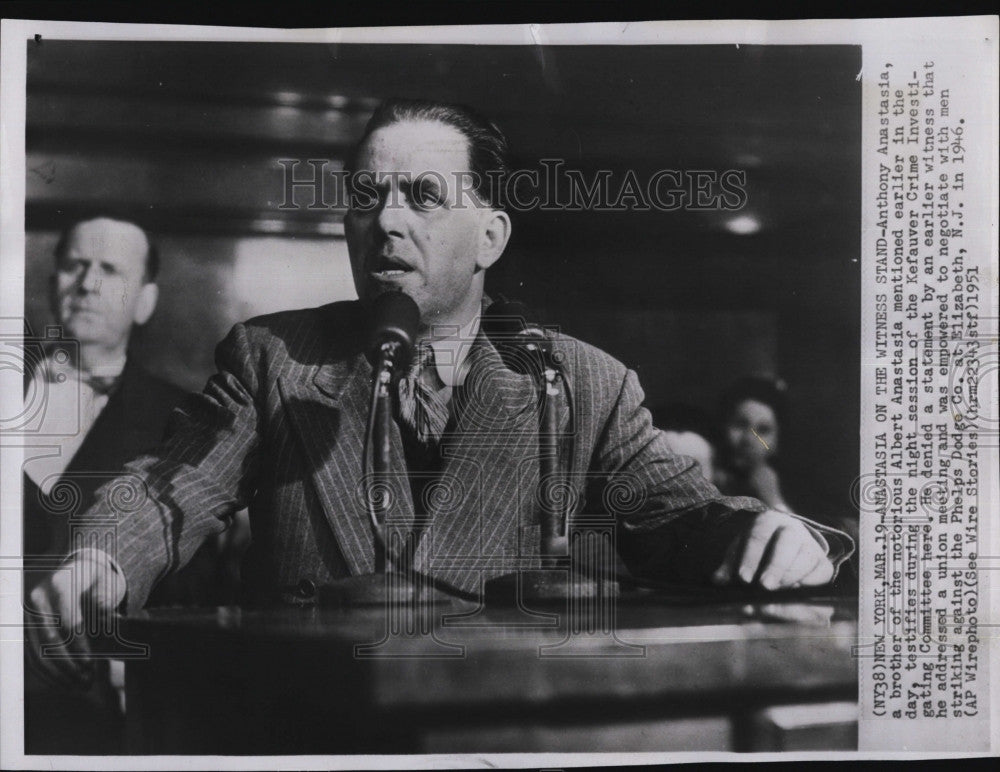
[(522, 343), (508, 318), (395, 319)]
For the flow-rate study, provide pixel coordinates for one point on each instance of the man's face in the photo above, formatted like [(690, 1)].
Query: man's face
[(418, 236), (99, 282)]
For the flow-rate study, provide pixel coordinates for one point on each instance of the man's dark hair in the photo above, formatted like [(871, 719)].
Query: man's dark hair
[(767, 391), (152, 267), (487, 143)]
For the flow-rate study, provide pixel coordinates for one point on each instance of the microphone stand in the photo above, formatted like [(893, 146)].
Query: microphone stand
[(397, 588), (554, 544), (404, 597), (381, 420), (395, 319), (556, 581), (374, 589)]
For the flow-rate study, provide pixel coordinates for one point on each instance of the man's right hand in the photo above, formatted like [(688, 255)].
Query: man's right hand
[(68, 607)]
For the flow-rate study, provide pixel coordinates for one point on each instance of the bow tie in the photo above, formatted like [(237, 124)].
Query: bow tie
[(102, 385)]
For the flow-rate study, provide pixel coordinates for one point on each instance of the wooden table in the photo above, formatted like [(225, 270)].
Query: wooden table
[(664, 671)]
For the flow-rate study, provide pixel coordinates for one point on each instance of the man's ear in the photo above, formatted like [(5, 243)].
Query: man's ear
[(495, 235), (146, 304)]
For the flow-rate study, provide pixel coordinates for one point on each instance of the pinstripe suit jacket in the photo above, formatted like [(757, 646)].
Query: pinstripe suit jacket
[(280, 429)]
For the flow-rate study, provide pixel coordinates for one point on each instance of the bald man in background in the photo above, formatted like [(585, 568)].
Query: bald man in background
[(99, 407), (100, 410)]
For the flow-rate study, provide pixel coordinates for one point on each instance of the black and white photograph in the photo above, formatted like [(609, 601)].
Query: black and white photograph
[(402, 397)]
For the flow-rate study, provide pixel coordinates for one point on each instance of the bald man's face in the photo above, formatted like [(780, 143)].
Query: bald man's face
[(99, 289)]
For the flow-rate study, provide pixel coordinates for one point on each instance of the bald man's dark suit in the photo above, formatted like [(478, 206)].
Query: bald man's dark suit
[(62, 720), (132, 422)]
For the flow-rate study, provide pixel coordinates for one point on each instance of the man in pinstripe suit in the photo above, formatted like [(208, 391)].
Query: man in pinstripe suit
[(280, 427)]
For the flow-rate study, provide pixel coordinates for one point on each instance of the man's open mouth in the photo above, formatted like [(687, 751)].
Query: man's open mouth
[(389, 267)]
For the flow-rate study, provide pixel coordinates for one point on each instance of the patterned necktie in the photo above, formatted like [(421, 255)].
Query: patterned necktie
[(103, 385), (423, 399)]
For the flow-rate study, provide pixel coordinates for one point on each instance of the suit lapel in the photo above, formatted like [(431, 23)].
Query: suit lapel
[(328, 408), (489, 463), (108, 444)]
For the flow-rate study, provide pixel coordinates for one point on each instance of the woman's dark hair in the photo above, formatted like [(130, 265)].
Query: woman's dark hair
[(487, 143), (767, 391), (679, 417)]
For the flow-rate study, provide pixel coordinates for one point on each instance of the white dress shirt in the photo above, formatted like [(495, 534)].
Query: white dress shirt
[(62, 409), (452, 344)]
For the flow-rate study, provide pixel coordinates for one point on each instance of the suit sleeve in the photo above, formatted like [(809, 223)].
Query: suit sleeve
[(674, 525), (167, 503)]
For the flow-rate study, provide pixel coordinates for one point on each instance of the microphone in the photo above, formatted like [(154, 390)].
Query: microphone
[(527, 350), (511, 318), (394, 322), (522, 343)]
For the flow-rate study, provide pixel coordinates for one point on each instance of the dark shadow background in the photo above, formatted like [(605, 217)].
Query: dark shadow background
[(186, 137)]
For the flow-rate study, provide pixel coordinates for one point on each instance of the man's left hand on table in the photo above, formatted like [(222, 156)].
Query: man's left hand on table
[(778, 551)]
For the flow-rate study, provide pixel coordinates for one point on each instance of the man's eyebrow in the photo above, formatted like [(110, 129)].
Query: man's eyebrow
[(384, 180), (104, 264), (424, 183)]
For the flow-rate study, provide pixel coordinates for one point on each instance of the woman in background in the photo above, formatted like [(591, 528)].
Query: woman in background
[(751, 413)]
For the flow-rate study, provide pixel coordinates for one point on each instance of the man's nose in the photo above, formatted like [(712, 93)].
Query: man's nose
[(392, 216), (90, 280)]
